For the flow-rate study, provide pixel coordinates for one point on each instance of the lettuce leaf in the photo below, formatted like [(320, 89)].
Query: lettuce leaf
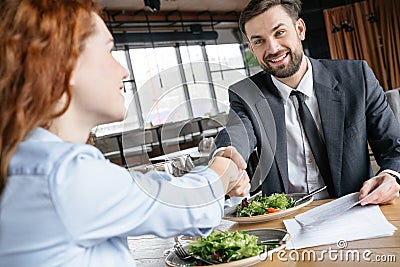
[(260, 204), (226, 246)]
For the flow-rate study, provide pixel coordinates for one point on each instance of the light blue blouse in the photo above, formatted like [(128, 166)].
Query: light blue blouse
[(66, 205)]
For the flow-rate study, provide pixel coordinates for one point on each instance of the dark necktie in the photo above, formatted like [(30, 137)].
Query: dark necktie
[(316, 142)]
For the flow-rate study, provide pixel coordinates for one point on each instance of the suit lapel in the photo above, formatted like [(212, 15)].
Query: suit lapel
[(274, 100), (331, 109)]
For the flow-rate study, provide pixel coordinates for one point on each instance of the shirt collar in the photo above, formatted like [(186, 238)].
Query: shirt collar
[(305, 86), (40, 134)]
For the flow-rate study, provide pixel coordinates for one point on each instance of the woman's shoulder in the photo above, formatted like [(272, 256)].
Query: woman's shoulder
[(41, 152)]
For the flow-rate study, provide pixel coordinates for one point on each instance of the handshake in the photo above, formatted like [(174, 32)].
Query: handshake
[(231, 168)]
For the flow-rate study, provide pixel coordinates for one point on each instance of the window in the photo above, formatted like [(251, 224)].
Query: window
[(169, 84), (158, 81), (227, 67), (198, 82)]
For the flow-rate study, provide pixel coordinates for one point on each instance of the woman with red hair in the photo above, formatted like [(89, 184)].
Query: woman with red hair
[(62, 203)]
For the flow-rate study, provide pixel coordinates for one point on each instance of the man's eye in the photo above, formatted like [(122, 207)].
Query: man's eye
[(279, 33), (258, 42)]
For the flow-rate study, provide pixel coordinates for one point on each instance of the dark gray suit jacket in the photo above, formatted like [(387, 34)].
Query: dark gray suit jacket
[(353, 110)]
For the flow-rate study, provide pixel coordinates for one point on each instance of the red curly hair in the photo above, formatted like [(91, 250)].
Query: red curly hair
[(40, 43)]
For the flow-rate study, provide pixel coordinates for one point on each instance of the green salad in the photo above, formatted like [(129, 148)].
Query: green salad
[(264, 205), (226, 246)]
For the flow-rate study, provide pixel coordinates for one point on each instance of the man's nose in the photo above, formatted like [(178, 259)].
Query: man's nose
[(272, 46)]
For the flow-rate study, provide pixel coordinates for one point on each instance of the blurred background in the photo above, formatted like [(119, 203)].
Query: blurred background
[(183, 54)]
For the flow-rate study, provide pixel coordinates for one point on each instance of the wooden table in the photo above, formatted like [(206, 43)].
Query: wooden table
[(148, 251)]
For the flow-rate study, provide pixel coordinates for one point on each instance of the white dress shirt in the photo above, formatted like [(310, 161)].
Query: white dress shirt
[(302, 168)]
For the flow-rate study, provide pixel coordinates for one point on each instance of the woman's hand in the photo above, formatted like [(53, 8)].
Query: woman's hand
[(234, 180)]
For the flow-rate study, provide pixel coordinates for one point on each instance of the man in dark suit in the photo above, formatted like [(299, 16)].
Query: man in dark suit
[(346, 104)]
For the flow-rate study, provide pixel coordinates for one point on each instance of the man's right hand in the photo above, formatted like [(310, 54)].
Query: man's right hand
[(231, 153), (241, 186), (227, 171)]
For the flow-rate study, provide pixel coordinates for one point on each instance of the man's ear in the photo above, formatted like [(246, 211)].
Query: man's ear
[(301, 29)]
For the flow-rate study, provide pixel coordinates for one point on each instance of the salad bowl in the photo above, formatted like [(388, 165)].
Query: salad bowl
[(264, 235), (232, 215)]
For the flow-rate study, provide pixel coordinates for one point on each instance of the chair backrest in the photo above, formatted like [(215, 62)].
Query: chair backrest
[(221, 118), (108, 145), (209, 123), (136, 138), (176, 130), (175, 134), (393, 98)]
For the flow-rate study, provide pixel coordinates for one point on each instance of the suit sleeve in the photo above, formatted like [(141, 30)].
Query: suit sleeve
[(239, 131), (382, 126)]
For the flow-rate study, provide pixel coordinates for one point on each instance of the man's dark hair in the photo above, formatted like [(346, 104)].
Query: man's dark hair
[(257, 7)]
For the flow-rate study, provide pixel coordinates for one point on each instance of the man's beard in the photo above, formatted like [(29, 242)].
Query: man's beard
[(285, 70)]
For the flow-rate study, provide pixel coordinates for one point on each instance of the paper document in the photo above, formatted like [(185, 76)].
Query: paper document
[(361, 222), (333, 208), (328, 210)]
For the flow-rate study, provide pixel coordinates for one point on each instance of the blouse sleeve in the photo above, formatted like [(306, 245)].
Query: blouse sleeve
[(96, 200)]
